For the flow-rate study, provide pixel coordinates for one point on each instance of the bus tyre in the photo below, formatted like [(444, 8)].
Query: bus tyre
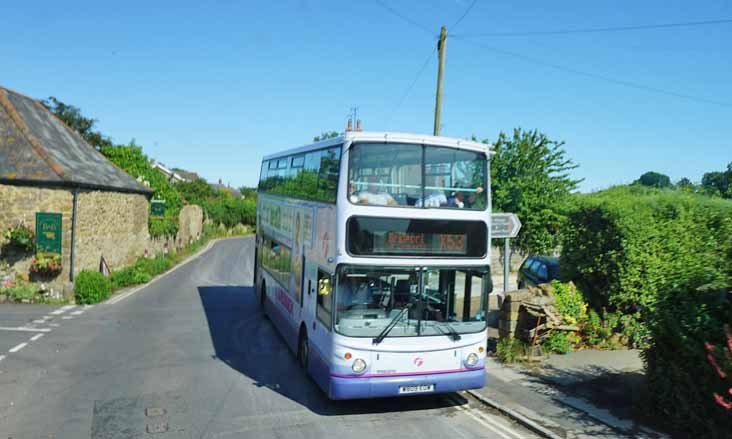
[(303, 350), (263, 300)]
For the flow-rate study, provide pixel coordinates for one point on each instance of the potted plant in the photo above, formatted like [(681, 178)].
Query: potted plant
[(46, 264), (21, 237)]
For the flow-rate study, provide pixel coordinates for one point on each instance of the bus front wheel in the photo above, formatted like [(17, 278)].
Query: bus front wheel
[(303, 350)]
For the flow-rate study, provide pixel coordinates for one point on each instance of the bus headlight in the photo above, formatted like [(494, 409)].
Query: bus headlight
[(471, 360), (358, 365)]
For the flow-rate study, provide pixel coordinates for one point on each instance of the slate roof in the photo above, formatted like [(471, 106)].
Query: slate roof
[(38, 148)]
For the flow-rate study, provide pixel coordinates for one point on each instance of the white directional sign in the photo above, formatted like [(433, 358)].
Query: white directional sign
[(505, 225)]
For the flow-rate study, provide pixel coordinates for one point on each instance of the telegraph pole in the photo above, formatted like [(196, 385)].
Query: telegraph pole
[(441, 49)]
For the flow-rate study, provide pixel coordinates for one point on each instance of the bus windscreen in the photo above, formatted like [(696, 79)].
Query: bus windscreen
[(371, 236)]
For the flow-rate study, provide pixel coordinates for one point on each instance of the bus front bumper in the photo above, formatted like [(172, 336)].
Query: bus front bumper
[(353, 387)]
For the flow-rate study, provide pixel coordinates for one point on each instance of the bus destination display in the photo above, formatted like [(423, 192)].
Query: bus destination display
[(421, 243)]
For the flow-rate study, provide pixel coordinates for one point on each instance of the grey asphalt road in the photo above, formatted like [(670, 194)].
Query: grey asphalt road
[(190, 356)]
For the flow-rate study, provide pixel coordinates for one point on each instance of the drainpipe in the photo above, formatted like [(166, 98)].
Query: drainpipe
[(73, 235)]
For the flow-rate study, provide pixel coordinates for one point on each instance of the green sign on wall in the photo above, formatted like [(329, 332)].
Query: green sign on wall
[(48, 232), (157, 207)]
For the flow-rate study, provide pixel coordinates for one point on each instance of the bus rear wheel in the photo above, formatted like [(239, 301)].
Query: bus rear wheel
[(263, 300), (303, 351)]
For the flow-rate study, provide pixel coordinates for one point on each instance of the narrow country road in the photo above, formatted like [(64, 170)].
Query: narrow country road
[(190, 356)]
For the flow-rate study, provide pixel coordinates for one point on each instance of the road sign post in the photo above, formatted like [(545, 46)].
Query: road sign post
[(506, 226)]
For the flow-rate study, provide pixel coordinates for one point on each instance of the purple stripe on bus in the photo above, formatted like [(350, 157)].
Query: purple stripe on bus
[(405, 374)]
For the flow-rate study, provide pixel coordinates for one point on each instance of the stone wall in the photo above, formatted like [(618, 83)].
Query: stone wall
[(109, 224), (112, 225), (190, 221), (20, 204)]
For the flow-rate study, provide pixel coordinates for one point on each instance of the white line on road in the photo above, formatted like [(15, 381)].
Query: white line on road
[(39, 321), (23, 329), (62, 310), (17, 348), (36, 337), (66, 317), (77, 313), (2, 357), (123, 296), (486, 421)]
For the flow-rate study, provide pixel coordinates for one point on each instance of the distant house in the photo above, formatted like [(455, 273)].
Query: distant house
[(187, 175), (172, 175), (47, 167)]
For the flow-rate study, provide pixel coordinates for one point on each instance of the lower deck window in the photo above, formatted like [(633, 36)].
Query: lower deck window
[(276, 259)]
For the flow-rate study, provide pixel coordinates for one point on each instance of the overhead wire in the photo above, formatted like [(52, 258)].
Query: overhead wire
[(404, 17), (406, 94), (596, 76), (465, 14), (599, 29)]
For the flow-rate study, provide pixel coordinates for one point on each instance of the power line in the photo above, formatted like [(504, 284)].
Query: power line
[(404, 97), (597, 76), (404, 17), (465, 14), (598, 29)]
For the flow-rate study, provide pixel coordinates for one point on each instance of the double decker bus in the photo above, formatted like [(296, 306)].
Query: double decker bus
[(372, 261)]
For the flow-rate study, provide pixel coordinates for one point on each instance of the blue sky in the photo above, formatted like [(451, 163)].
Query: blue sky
[(212, 86)]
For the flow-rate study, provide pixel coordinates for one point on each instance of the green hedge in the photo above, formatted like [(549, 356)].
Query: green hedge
[(681, 380), (625, 246), (663, 260), (91, 287)]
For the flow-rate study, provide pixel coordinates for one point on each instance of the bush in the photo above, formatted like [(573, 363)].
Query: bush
[(569, 302), (91, 287), (21, 291), (681, 380), (626, 246), (510, 349), (558, 342)]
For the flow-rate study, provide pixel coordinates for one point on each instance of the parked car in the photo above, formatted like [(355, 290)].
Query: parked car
[(537, 270)]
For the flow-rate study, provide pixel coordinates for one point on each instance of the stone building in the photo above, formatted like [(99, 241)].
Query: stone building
[(47, 167)]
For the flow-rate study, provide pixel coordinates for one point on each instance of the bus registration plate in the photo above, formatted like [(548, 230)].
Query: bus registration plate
[(417, 389)]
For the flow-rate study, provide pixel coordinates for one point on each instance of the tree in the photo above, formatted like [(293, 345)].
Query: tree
[(718, 183), (530, 177), (72, 117), (248, 192), (685, 185), (326, 135), (654, 179)]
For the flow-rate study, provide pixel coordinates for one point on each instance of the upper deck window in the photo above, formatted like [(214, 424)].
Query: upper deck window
[(416, 176)]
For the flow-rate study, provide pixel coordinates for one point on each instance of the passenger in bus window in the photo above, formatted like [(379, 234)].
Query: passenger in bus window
[(374, 194), (436, 196), (459, 200)]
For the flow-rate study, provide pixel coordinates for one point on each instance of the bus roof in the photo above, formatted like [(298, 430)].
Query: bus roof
[(387, 137)]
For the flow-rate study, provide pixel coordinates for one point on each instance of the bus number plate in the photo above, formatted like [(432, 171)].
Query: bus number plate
[(417, 389)]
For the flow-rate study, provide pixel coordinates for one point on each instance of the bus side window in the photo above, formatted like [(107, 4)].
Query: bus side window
[(325, 298)]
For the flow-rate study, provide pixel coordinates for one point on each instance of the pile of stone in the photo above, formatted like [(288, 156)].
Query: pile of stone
[(530, 315)]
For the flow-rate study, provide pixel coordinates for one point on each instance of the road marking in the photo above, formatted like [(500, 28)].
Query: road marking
[(66, 317), (36, 337), (77, 313), (55, 325), (123, 296), (62, 310), (17, 348), (23, 329), (2, 357), (488, 422)]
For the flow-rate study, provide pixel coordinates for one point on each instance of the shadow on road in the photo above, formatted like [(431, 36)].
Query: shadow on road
[(249, 344)]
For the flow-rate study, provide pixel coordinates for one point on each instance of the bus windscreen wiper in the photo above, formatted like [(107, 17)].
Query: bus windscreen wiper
[(379, 338), (451, 331)]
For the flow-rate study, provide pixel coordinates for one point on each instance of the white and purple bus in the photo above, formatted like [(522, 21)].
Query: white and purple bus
[(373, 260)]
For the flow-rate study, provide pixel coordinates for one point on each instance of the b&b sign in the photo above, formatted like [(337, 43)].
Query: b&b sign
[(48, 232)]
